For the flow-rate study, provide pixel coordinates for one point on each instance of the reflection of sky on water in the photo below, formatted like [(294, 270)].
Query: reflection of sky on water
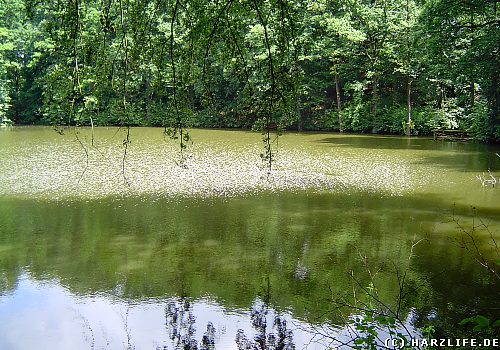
[(44, 315)]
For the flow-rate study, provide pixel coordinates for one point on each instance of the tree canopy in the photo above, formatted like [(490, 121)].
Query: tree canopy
[(400, 67)]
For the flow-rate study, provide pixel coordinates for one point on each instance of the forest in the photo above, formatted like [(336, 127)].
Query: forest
[(353, 241), (378, 66)]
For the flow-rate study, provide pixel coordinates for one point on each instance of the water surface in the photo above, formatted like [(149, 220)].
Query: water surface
[(96, 252)]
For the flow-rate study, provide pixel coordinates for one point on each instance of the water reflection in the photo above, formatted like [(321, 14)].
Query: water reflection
[(305, 246), (45, 315)]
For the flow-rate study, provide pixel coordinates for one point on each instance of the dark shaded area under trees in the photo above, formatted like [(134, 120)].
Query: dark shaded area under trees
[(397, 67)]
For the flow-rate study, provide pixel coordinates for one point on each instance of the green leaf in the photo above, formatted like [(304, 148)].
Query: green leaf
[(481, 322), (359, 341), (466, 321)]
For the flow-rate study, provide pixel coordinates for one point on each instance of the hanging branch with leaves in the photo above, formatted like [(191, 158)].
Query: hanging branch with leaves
[(76, 90), (177, 128), (268, 155), (125, 64)]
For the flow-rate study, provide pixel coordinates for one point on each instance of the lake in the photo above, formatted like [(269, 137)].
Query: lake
[(154, 249)]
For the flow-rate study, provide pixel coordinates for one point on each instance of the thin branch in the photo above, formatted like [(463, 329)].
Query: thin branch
[(267, 140), (240, 52), (126, 141), (86, 154)]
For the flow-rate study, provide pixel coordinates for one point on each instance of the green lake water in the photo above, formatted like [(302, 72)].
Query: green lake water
[(98, 250)]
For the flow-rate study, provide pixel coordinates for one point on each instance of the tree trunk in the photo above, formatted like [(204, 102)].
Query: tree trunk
[(472, 95), (441, 96), (494, 98), (408, 100), (339, 104), (471, 83), (374, 104)]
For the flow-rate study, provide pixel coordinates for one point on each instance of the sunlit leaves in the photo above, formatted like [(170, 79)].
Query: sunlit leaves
[(235, 62)]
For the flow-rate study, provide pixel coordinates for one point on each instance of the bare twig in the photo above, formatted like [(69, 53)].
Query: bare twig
[(86, 154), (468, 241)]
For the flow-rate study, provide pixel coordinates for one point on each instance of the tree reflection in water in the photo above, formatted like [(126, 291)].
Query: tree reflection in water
[(180, 324), (279, 337)]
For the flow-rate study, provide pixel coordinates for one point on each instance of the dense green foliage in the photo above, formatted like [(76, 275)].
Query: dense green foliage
[(402, 66)]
